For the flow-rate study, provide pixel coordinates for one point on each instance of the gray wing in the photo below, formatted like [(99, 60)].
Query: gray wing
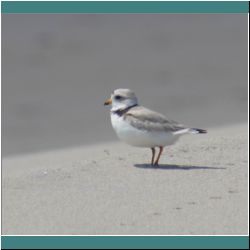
[(146, 119)]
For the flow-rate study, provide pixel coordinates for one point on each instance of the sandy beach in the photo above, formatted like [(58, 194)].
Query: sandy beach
[(64, 172), (110, 189)]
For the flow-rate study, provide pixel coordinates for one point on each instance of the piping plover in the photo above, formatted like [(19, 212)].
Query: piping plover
[(142, 127)]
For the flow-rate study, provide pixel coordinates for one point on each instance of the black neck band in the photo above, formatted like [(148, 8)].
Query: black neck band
[(121, 112)]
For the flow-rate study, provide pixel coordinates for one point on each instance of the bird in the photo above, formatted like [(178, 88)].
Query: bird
[(141, 127)]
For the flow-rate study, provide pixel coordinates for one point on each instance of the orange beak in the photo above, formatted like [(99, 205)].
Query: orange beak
[(108, 102)]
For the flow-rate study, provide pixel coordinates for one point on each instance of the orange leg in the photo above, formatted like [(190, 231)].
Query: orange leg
[(153, 156), (159, 155)]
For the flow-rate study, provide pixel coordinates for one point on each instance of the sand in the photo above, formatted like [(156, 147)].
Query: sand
[(109, 189)]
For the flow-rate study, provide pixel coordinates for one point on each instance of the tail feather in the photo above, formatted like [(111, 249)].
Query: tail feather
[(198, 131)]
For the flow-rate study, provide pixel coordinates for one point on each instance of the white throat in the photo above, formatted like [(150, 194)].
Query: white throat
[(122, 105)]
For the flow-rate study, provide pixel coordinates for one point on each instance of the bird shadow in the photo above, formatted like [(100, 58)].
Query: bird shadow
[(176, 167)]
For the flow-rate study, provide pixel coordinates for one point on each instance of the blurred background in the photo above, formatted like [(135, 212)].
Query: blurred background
[(58, 69)]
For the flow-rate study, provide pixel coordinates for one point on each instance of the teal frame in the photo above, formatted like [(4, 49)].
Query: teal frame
[(124, 242), (124, 7)]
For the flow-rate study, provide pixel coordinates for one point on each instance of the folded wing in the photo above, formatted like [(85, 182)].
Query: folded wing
[(146, 119)]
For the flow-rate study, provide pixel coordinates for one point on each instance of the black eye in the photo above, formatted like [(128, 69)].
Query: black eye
[(118, 97)]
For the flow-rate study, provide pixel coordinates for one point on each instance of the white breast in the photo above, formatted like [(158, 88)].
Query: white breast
[(138, 137)]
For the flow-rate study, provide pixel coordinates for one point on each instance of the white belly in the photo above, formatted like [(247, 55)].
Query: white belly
[(138, 137)]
